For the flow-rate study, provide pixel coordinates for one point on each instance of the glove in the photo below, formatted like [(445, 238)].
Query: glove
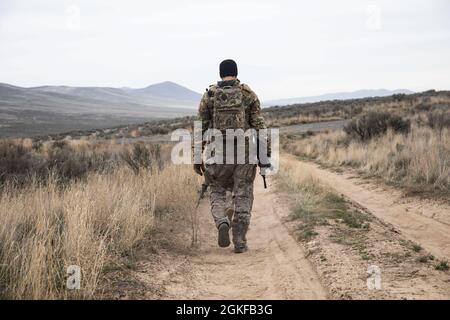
[(199, 168), (264, 169), (267, 165)]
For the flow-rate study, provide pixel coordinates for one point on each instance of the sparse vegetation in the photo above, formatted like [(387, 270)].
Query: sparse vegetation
[(148, 129), (425, 258), (22, 161), (142, 157), (417, 161), (442, 266), (316, 204), (439, 120), (375, 124), (95, 222), (401, 105)]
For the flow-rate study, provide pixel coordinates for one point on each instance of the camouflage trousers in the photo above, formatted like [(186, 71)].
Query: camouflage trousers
[(235, 180)]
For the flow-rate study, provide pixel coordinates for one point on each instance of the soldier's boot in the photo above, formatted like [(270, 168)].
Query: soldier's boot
[(239, 237), (224, 235)]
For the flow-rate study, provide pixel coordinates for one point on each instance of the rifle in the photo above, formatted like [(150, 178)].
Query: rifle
[(202, 193), (194, 213), (263, 159), (264, 179), (263, 173)]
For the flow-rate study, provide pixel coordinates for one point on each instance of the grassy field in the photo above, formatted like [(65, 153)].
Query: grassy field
[(411, 152), (404, 105), (93, 210), (418, 161), (402, 140)]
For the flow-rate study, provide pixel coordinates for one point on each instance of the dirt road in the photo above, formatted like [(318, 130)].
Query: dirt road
[(422, 221), (275, 267)]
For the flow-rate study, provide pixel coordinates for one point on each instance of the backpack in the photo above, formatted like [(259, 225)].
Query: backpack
[(228, 108)]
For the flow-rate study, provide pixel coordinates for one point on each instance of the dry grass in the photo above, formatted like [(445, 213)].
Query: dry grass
[(22, 160), (315, 203), (402, 105), (419, 161), (280, 121), (93, 223)]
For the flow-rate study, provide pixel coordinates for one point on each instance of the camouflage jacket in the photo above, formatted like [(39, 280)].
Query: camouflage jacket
[(250, 100), (253, 117)]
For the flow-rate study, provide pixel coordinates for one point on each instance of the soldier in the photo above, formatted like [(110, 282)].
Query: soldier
[(230, 105)]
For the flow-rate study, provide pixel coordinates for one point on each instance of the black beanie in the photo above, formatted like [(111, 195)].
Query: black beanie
[(228, 68)]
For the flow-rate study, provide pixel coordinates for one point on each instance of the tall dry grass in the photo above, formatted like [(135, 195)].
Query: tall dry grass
[(419, 161), (93, 223)]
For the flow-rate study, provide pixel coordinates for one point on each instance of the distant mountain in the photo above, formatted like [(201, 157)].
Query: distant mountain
[(170, 90), (337, 96), (53, 109), (168, 93)]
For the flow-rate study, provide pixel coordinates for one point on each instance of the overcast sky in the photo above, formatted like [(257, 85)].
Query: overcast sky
[(284, 48)]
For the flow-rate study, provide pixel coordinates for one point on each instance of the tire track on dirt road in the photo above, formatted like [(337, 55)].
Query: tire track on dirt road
[(423, 222)]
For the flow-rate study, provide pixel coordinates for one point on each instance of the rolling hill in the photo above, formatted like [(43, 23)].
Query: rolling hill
[(57, 109), (54, 109), (337, 96)]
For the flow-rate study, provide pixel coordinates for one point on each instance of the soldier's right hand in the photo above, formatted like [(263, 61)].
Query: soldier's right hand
[(266, 165), (199, 168)]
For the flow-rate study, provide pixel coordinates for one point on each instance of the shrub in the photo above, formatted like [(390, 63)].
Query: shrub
[(422, 107), (143, 157), (20, 163), (439, 120), (17, 163), (399, 97), (442, 266), (375, 124)]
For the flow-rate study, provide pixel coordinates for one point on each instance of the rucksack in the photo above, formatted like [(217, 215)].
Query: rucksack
[(228, 108)]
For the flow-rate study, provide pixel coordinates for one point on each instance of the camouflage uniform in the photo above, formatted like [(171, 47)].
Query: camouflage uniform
[(238, 178)]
